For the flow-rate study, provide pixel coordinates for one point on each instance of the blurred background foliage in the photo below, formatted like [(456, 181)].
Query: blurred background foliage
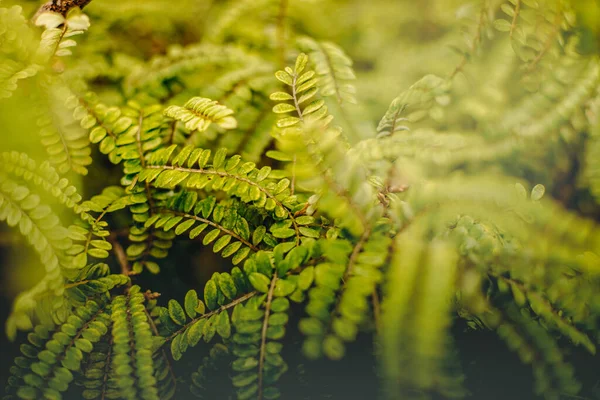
[(392, 43)]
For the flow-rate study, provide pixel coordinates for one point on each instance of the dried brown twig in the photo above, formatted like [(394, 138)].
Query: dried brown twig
[(61, 6)]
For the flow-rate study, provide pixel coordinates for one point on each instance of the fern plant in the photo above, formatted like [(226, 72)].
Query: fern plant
[(337, 221)]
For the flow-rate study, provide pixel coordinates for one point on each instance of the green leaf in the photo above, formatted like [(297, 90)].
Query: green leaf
[(184, 226), (230, 249), (284, 77), (195, 332), (175, 351), (227, 285), (305, 220), (97, 134), (259, 282), (197, 230), (279, 156), (308, 232), (221, 243), (287, 121), (244, 364), (258, 235), (210, 328), (283, 233), (210, 294), (280, 96), (306, 277), (333, 347), (280, 304), (84, 345), (223, 325), (314, 106), (502, 25), (98, 253), (537, 192), (301, 61), (263, 173), (219, 158), (283, 288), (191, 303), (176, 312), (283, 108), (211, 236)]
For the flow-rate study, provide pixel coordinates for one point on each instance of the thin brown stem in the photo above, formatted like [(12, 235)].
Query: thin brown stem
[(121, 257), (549, 40), (513, 24), (474, 43), (376, 309), (357, 249), (173, 129)]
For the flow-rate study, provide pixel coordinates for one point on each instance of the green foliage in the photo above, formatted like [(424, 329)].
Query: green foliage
[(335, 219)]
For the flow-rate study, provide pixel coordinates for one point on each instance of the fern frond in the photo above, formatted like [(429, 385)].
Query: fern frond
[(218, 29), (334, 68), (43, 176), (412, 105), (592, 156), (181, 61), (553, 376), (258, 365), (260, 323), (51, 359), (414, 344), (17, 47), (198, 113), (90, 233), (565, 109), (55, 40), (303, 87), (338, 177), (42, 228), (92, 281), (240, 179), (196, 216), (473, 37), (66, 143), (132, 347), (203, 379), (98, 382), (103, 122), (237, 88), (219, 296), (535, 42)]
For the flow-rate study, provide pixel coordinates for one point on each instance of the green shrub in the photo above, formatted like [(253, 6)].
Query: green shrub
[(255, 141)]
